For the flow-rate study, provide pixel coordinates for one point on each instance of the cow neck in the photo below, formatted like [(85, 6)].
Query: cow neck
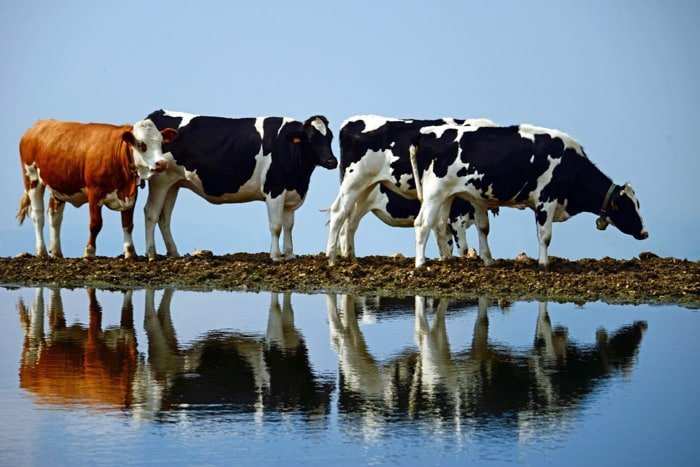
[(125, 160), (598, 188)]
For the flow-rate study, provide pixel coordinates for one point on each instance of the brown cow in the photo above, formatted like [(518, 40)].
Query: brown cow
[(97, 163)]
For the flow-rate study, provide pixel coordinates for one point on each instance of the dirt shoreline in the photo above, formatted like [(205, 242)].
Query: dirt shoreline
[(645, 279)]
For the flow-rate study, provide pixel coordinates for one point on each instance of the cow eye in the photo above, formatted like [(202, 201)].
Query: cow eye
[(142, 146)]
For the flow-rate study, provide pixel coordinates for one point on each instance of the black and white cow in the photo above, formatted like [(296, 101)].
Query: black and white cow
[(543, 169), (374, 150), (397, 211), (236, 160)]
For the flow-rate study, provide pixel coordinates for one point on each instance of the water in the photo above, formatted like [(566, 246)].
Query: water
[(181, 378)]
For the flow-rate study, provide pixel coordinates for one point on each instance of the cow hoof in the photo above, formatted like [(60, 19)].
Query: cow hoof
[(130, 253), (276, 259), (290, 256), (56, 254), (42, 254)]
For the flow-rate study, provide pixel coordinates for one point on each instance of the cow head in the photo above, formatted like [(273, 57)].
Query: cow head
[(315, 139), (146, 142), (623, 212)]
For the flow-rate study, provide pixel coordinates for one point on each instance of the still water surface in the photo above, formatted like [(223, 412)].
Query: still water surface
[(189, 378)]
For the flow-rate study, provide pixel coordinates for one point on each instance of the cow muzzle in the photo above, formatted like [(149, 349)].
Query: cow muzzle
[(329, 163), (643, 235), (160, 166)]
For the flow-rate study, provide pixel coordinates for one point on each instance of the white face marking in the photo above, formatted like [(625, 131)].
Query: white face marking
[(184, 115), (147, 132), (532, 159), (319, 125)]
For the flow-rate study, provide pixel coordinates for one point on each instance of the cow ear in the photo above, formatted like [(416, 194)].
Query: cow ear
[(295, 136), (169, 134), (129, 138)]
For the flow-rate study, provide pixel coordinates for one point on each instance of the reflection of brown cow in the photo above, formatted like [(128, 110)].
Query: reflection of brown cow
[(74, 364), (487, 382)]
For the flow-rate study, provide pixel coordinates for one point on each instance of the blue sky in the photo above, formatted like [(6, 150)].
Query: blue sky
[(620, 76)]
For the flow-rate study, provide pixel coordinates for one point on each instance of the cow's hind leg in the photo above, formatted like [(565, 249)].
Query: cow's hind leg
[(481, 216), (128, 227), (56, 208), (36, 197), (544, 215), (424, 223), (157, 204)]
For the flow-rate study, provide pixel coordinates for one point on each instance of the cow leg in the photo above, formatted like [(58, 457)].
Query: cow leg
[(275, 213), (355, 215), (158, 194), (36, 197), (128, 227), (164, 222), (440, 231), (424, 223), (544, 214), (481, 215), (287, 225), (339, 212), (56, 208), (95, 227)]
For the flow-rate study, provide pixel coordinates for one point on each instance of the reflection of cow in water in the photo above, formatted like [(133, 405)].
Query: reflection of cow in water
[(232, 370), (488, 382), (74, 364)]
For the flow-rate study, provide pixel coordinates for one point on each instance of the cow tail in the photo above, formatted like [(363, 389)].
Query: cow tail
[(24, 203), (412, 150)]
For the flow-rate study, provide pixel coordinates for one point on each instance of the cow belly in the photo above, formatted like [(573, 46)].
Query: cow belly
[(112, 201), (76, 199), (251, 191)]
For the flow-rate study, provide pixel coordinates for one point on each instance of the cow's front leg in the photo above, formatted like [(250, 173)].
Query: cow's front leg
[(56, 208), (158, 191), (347, 233), (544, 215), (275, 213), (128, 228), (481, 215), (95, 227), (164, 222), (287, 225)]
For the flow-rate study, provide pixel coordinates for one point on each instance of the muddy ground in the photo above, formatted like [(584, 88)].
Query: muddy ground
[(644, 279)]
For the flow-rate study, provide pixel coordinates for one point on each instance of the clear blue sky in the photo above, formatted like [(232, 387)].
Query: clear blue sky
[(620, 76)]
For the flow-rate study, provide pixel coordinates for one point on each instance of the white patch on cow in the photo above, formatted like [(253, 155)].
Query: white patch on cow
[(319, 125), (76, 199), (112, 201), (32, 172), (478, 122), (439, 130), (532, 159), (186, 117), (372, 122), (560, 213), (529, 131), (260, 127), (543, 180), (292, 199)]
